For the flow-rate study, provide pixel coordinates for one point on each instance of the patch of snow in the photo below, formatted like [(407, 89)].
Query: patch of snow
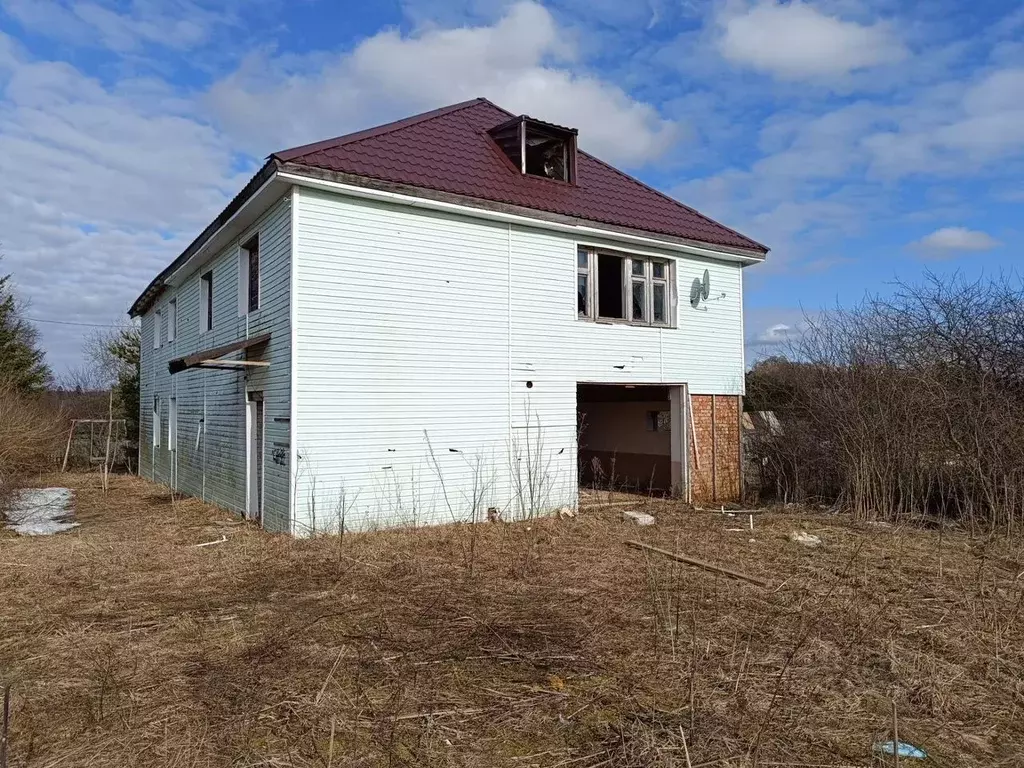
[(41, 512)]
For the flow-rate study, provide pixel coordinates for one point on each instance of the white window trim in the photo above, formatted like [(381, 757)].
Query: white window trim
[(172, 424), (172, 319), (156, 329), (156, 422), (669, 281)]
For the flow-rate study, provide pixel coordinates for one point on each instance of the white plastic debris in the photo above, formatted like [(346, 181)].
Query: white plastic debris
[(41, 512), (905, 750), (566, 511), (640, 518), (805, 538)]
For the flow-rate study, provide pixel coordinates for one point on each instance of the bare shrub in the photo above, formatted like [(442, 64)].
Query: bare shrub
[(30, 436), (903, 406)]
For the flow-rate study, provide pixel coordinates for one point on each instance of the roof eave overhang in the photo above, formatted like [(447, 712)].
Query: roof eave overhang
[(421, 197), (257, 195)]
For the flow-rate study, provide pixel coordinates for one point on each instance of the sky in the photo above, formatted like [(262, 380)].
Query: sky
[(863, 141)]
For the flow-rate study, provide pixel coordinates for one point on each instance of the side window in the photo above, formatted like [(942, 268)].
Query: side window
[(206, 302), (172, 319), (156, 329), (156, 422), (636, 289), (583, 283), (251, 255), (659, 421), (172, 425)]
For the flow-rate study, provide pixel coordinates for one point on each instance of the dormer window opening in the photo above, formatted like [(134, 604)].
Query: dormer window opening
[(538, 148)]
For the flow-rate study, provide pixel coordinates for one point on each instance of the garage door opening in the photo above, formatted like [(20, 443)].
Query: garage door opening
[(625, 437)]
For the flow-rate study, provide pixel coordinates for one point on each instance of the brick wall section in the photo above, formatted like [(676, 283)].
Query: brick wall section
[(715, 460)]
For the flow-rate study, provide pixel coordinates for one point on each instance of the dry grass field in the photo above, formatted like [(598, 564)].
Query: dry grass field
[(536, 644)]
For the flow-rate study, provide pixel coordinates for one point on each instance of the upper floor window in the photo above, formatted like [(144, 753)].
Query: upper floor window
[(206, 302), (172, 319), (249, 276), (624, 287), (156, 329)]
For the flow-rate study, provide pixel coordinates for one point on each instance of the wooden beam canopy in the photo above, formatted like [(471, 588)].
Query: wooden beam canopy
[(211, 358)]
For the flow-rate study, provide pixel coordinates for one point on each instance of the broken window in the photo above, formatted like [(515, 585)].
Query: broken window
[(632, 288), (249, 276), (609, 286), (172, 319), (582, 282), (537, 148), (206, 303), (659, 421)]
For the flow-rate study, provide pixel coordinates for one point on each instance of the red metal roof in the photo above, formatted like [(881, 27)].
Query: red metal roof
[(449, 150)]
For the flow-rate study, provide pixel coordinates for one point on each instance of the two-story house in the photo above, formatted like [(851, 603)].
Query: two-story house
[(455, 316)]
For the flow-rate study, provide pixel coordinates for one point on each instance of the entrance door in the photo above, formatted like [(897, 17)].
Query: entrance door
[(254, 456)]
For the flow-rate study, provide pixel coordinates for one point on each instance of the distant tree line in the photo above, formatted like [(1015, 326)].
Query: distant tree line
[(34, 414), (902, 406)]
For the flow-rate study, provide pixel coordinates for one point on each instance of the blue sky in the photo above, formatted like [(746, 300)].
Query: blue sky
[(862, 140)]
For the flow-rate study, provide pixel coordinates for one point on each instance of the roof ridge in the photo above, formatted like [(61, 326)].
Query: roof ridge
[(294, 153), (671, 199)]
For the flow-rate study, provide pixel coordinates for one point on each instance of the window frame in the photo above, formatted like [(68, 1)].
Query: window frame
[(172, 320), (157, 322), (657, 424), (172, 424), (156, 426), (585, 271), (245, 252), (206, 302), (628, 278)]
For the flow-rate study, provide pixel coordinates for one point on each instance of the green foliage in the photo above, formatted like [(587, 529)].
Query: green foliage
[(21, 359), (124, 347)]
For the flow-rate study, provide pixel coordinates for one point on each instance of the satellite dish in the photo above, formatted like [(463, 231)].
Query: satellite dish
[(706, 285), (696, 292)]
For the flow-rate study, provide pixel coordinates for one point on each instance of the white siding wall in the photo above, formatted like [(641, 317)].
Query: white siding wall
[(413, 324), (215, 470)]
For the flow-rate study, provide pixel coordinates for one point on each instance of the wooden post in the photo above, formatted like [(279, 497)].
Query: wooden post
[(895, 736), (110, 428), (739, 441), (67, 450), (714, 449), (4, 724)]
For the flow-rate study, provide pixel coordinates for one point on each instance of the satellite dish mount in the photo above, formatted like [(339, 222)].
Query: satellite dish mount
[(701, 290)]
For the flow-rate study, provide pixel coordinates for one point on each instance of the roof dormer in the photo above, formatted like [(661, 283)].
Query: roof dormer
[(537, 148)]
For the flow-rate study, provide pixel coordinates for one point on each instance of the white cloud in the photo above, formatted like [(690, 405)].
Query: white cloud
[(779, 333), (796, 41), (523, 62), (176, 24), (958, 130), (105, 184), (770, 329), (949, 241)]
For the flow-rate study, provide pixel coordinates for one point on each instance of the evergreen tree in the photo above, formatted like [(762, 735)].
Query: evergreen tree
[(125, 347), (21, 360)]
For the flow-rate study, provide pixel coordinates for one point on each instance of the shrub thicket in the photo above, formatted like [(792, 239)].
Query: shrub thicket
[(902, 406)]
